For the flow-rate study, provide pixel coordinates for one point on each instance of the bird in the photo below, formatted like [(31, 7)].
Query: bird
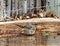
[(40, 13)]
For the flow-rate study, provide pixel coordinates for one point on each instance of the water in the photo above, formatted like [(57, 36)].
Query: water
[(30, 41)]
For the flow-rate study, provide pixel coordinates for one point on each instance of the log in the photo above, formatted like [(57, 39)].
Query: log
[(35, 20)]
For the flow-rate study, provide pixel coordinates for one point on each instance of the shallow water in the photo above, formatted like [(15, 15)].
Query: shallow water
[(30, 41)]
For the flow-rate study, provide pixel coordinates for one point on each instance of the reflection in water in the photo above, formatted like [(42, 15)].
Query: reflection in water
[(30, 41), (23, 41)]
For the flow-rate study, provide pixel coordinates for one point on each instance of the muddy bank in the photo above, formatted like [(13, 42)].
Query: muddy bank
[(14, 29), (48, 26)]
